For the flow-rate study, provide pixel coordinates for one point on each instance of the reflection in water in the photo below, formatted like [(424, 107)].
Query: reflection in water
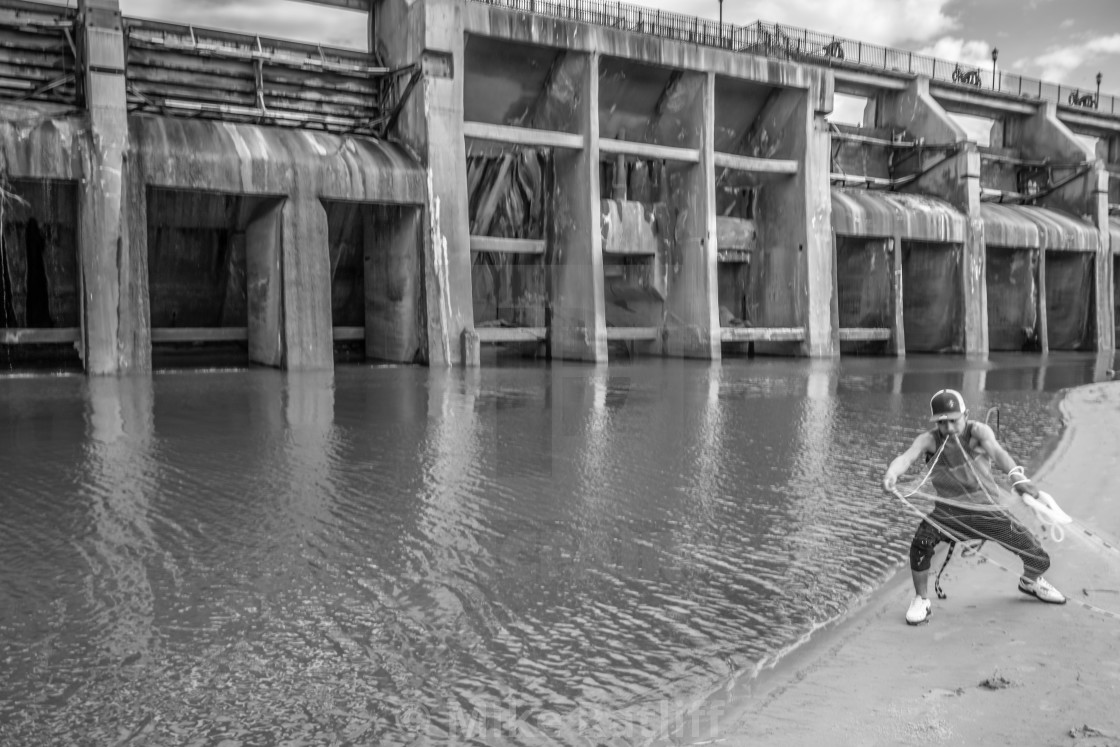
[(119, 478), (381, 555)]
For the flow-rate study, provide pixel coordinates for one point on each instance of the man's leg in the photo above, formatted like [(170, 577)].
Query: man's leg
[(921, 554)]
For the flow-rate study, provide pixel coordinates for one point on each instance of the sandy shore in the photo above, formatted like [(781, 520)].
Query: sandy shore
[(992, 667)]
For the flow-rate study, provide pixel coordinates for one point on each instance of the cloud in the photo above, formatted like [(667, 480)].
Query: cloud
[(1062, 63), (971, 52), (1059, 62), (885, 22), (278, 18), (1105, 44)]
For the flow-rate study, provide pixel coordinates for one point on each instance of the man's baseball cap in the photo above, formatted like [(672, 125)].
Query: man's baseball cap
[(948, 404)]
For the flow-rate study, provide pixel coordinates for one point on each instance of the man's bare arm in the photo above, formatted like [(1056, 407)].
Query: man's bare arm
[(992, 447), (922, 444)]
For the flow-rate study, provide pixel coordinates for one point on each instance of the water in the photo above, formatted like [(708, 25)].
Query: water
[(392, 555)]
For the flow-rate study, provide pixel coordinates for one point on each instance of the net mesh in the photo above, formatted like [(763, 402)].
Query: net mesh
[(960, 500)]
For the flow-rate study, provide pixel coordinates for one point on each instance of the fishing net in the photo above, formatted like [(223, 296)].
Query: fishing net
[(960, 501)]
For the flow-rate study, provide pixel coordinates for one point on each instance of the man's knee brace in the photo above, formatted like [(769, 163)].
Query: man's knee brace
[(921, 549)]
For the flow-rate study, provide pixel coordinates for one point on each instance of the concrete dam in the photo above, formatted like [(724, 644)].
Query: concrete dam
[(577, 180)]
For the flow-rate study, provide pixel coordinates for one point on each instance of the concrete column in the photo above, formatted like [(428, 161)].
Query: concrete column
[(953, 176), (692, 327), (110, 288), (898, 321), (822, 317), (578, 325), (136, 327), (263, 283), (306, 283), (429, 34), (392, 282), (1043, 135), (795, 218)]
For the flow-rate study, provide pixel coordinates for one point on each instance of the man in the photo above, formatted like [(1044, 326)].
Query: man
[(962, 451)]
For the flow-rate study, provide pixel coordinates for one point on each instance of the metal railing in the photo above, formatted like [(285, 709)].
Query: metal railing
[(37, 60), (662, 23), (824, 49), (803, 45), (188, 71)]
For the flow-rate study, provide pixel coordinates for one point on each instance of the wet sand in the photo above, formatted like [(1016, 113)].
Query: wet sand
[(993, 666)]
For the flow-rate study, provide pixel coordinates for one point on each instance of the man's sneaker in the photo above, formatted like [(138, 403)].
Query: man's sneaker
[(919, 612), (1042, 590)]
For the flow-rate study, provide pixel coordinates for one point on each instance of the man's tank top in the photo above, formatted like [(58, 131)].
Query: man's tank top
[(961, 477)]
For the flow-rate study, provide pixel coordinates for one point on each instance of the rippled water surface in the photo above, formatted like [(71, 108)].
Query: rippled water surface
[(525, 554)]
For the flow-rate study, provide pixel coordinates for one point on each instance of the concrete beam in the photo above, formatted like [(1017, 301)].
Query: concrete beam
[(524, 136), (507, 246), (362, 5), (646, 150), (1086, 122), (980, 103), (866, 83), (756, 165), (762, 334)]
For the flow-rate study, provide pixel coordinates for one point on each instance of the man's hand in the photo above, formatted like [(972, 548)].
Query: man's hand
[(889, 482), (1026, 487)]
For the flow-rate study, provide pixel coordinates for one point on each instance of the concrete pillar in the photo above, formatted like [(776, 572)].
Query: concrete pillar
[(111, 286), (822, 319), (263, 284), (578, 325), (953, 176), (392, 282), (794, 215), (306, 282), (692, 327), (136, 327), (429, 34), (1043, 135)]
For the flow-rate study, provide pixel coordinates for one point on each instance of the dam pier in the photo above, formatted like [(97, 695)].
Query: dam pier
[(576, 180)]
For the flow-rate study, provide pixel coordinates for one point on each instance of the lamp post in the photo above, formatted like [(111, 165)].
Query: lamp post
[(1097, 100), (995, 56), (721, 23)]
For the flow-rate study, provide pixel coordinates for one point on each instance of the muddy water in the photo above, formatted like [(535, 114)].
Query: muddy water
[(524, 554)]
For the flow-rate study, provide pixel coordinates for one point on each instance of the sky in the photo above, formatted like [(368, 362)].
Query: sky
[(1059, 41)]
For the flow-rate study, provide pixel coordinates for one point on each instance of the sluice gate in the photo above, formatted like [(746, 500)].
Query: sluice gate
[(521, 178)]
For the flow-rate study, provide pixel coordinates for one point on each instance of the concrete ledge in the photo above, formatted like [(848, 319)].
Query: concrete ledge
[(522, 136), (645, 150), (762, 334), (864, 334), (511, 334), (756, 165), (507, 246), (199, 334), (27, 336)]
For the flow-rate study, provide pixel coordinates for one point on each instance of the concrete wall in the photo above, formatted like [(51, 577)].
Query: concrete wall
[(1043, 135), (429, 34), (952, 173)]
